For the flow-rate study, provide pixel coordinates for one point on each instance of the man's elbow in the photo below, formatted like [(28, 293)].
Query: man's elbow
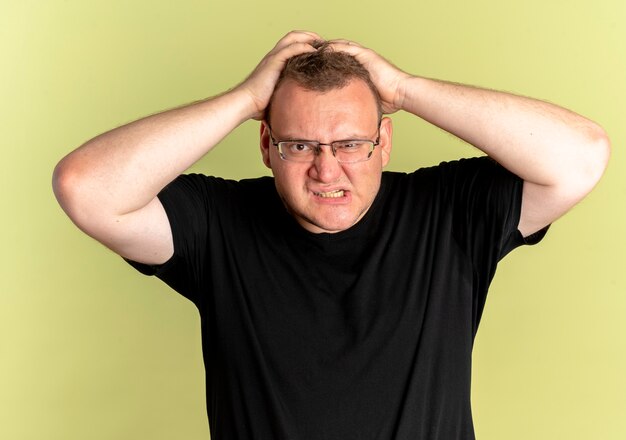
[(580, 171), (598, 152), (62, 184), (69, 190)]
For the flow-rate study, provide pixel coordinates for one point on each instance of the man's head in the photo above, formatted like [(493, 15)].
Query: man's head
[(326, 96), (324, 70)]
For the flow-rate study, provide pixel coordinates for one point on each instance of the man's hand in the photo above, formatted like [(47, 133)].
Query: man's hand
[(259, 86), (388, 79)]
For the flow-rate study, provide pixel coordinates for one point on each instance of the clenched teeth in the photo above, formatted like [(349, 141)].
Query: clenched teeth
[(331, 194)]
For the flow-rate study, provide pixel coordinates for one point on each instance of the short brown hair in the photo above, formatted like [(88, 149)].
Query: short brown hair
[(323, 70)]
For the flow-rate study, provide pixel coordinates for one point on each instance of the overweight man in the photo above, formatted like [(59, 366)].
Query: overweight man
[(337, 301)]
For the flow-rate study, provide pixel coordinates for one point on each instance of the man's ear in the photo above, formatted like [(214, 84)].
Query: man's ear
[(386, 132), (264, 144)]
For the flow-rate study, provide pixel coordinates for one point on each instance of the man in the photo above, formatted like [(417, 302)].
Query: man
[(337, 301)]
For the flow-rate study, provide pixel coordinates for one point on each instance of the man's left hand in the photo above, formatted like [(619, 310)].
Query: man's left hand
[(388, 79)]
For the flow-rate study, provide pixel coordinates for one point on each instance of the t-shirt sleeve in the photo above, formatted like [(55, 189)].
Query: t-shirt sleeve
[(486, 200), (187, 203)]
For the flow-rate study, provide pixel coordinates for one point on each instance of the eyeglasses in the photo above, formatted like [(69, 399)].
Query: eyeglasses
[(346, 151)]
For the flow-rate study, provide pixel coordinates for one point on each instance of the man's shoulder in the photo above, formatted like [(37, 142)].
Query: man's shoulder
[(444, 179), (203, 183), (209, 179), (451, 167), (196, 192)]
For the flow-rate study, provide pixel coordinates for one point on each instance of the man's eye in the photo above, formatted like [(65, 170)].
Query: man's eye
[(349, 146), (299, 147)]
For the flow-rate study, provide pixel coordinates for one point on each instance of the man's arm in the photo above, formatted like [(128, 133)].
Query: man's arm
[(109, 186), (560, 155)]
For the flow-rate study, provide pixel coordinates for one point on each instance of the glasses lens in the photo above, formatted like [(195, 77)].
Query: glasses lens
[(353, 151), (297, 151)]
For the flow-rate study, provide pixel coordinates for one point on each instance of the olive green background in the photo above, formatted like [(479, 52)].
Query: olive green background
[(90, 349)]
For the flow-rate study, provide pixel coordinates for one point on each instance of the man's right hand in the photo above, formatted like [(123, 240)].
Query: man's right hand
[(259, 86)]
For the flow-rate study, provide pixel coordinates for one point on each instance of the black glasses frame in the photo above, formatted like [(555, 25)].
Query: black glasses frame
[(317, 146)]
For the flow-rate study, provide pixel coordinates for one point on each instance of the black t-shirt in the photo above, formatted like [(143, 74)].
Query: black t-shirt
[(362, 334)]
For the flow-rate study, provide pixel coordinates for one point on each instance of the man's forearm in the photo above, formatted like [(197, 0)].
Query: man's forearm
[(540, 142), (124, 169)]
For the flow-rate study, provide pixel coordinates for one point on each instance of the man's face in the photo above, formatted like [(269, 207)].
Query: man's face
[(325, 195)]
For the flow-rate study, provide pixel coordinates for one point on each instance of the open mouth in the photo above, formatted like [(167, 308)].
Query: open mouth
[(330, 194)]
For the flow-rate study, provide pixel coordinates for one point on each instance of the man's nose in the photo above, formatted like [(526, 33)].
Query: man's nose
[(325, 166)]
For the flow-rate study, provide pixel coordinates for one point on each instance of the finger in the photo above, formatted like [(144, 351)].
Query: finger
[(350, 47), (297, 37), (313, 34), (294, 49), (341, 41), (276, 59)]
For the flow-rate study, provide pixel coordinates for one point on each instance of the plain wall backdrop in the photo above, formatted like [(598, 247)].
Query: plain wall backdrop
[(90, 349)]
